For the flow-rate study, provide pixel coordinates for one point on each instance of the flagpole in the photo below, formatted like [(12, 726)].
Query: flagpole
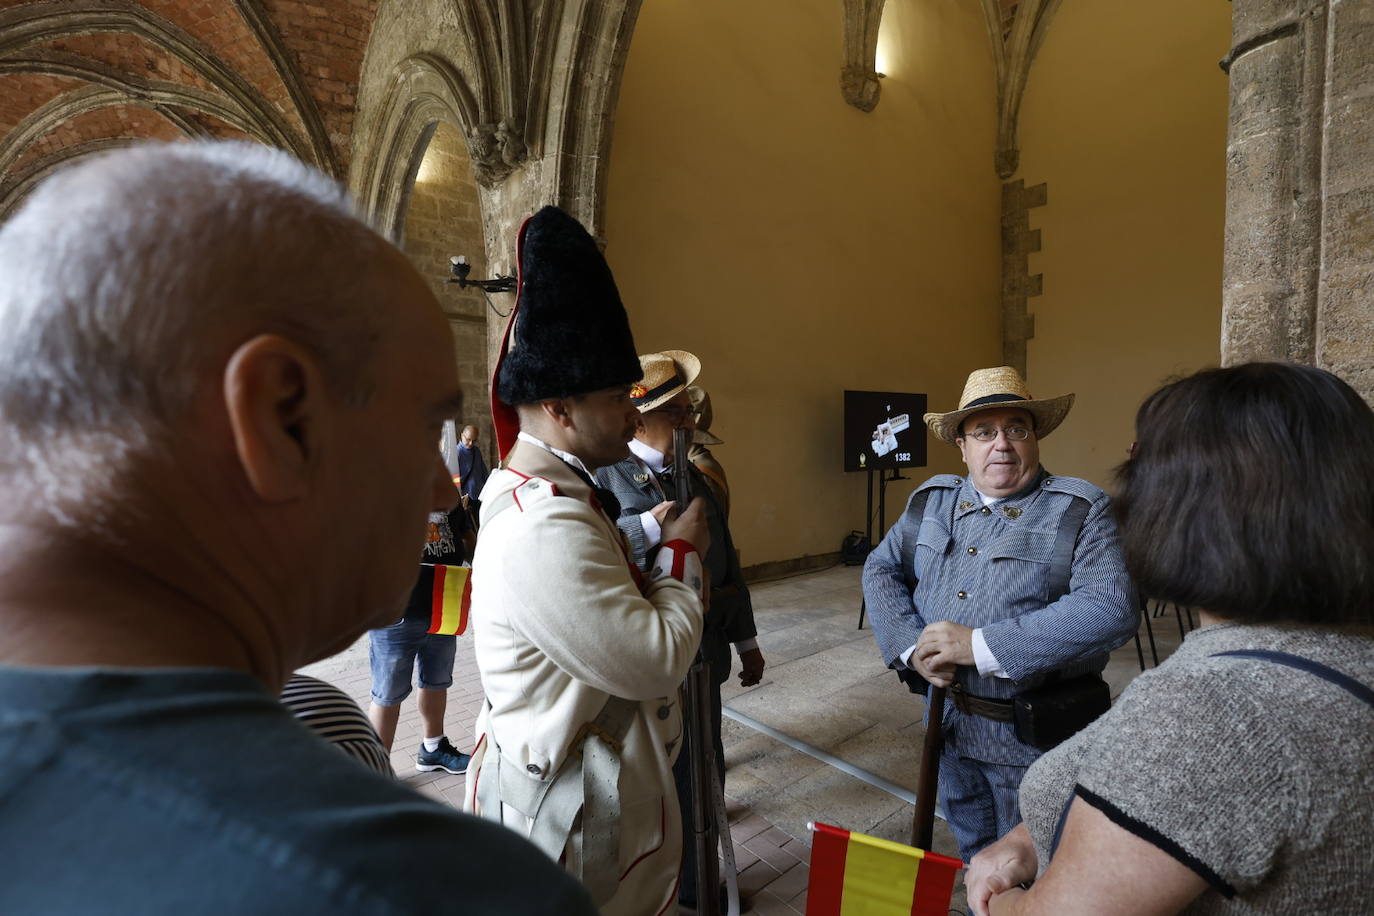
[(923, 821)]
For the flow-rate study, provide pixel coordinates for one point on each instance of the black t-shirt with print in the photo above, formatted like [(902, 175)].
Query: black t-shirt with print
[(443, 546)]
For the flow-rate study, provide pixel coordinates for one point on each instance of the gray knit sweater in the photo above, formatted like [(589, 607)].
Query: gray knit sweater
[(1258, 776)]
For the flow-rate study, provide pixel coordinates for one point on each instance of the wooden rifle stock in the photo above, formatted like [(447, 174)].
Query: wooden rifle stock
[(923, 821), (697, 723)]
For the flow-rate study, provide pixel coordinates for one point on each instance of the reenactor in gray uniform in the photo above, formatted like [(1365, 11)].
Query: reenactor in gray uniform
[(1008, 583)]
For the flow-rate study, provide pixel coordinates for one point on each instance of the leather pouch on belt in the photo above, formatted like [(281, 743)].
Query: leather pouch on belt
[(1051, 713)]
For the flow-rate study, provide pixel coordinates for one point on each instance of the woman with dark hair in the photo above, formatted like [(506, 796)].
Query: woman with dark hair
[(1238, 776)]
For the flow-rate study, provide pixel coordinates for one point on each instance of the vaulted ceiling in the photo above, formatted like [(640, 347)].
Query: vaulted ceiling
[(78, 76)]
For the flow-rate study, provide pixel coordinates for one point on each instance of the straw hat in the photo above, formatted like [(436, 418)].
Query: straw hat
[(701, 403), (999, 387), (664, 374)]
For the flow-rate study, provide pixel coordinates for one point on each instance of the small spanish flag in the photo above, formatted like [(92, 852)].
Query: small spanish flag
[(452, 596), (857, 875)]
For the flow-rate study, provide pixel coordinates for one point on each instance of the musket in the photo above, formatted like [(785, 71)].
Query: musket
[(923, 821), (699, 727)]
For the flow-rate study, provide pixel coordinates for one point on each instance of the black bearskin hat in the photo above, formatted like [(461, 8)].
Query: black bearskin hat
[(570, 333)]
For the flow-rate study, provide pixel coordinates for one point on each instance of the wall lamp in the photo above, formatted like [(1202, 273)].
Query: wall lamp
[(461, 269)]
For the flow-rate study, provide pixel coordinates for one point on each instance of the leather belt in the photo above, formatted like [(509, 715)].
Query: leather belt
[(988, 708)]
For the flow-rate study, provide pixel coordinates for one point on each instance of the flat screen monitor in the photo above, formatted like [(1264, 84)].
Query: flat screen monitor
[(883, 429)]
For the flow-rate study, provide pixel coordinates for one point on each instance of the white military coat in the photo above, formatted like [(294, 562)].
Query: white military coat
[(562, 622)]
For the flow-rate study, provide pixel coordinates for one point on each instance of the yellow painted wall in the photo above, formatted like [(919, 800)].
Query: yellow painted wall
[(1124, 117), (801, 247)]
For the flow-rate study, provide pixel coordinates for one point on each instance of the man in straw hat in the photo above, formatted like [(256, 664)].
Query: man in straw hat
[(581, 655), (997, 584), (643, 486)]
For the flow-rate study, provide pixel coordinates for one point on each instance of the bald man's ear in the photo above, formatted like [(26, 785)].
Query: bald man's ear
[(272, 392)]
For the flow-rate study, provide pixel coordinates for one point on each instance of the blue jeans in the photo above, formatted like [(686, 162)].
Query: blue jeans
[(393, 652), (979, 799)]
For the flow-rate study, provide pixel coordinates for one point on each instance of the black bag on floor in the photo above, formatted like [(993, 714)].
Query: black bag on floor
[(855, 548)]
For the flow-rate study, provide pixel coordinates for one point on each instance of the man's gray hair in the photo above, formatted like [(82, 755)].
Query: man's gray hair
[(123, 277)]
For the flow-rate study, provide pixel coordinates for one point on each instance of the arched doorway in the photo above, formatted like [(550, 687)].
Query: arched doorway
[(442, 217)]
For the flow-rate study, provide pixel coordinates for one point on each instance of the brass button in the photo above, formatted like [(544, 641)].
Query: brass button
[(985, 510), (533, 768), (973, 551), (663, 712), (962, 595)]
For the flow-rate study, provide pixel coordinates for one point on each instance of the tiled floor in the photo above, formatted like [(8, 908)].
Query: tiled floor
[(825, 688)]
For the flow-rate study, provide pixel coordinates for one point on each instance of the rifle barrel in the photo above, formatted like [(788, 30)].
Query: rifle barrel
[(700, 746), (682, 469), (923, 820)]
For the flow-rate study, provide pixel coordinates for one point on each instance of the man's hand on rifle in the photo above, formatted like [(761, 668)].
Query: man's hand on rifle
[(660, 512), (942, 647), (689, 526)]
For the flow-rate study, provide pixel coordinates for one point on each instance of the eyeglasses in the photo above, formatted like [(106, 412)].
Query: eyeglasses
[(1014, 433), (678, 412)]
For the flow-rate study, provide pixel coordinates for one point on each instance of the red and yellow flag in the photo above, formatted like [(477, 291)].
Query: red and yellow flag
[(853, 874), (452, 597)]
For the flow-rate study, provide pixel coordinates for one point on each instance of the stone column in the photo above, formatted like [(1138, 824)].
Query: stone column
[(1299, 255)]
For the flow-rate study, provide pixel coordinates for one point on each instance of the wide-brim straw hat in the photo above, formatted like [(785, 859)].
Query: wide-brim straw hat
[(664, 375), (1001, 386), (701, 403)]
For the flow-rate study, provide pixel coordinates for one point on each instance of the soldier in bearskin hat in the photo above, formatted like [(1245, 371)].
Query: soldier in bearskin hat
[(580, 654)]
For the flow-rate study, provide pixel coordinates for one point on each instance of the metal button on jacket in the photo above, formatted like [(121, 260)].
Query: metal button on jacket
[(663, 712), (973, 551), (985, 510), (533, 768), (962, 595)]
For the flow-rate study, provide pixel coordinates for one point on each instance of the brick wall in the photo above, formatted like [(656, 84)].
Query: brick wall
[(22, 93), (119, 121), (328, 40), (219, 25), (130, 54)]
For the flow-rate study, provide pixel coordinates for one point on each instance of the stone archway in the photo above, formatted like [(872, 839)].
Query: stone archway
[(421, 92), (531, 86), (439, 217)]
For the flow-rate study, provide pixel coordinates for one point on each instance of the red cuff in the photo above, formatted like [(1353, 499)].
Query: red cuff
[(681, 546)]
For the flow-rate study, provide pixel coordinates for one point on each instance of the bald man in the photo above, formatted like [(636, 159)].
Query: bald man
[(472, 473), (220, 394)]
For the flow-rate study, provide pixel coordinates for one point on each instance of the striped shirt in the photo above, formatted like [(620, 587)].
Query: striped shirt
[(335, 717)]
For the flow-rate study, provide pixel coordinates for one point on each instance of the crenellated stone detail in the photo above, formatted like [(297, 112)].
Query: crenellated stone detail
[(1019, 241)]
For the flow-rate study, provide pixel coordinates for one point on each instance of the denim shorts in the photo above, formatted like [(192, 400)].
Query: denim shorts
[(393, 652)]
